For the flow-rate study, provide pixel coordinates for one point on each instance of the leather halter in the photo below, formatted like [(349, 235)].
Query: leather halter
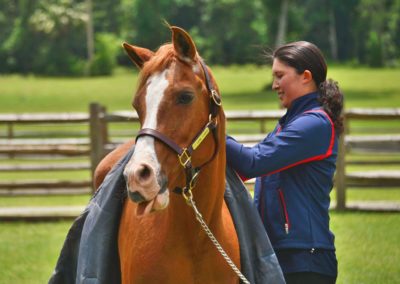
[(185, 154)]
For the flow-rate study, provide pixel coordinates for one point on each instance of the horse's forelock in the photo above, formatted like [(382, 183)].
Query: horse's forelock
[(161, 60)]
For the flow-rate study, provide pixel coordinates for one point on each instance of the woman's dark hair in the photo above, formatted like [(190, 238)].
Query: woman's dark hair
[(303, 55)]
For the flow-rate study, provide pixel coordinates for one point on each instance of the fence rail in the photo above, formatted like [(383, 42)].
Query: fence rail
[(98, 142), (45, 167), (45, 187)]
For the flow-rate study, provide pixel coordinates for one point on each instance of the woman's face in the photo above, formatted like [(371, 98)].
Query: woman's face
[(286, 82)]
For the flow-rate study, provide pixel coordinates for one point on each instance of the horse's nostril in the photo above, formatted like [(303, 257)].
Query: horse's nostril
[(144, 172)]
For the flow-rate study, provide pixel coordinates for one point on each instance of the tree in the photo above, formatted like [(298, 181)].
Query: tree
[(332, 31), (233, 31), (346, 23), (147, 28), (60, 26), (19, 47), (48, 36), (378, 29), (282, 23), (107, 16)]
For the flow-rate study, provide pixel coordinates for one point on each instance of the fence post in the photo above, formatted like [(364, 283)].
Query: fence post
[(10, 130), (341, 171), (104, 128), (98, 138), (10, 135), (263, 128)]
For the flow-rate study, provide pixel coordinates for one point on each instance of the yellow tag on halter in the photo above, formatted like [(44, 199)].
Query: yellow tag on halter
[(200, 138)]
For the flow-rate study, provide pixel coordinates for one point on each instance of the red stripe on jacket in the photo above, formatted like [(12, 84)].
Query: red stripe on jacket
[(315, 158)]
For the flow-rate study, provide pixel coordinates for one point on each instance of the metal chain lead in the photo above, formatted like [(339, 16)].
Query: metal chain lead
[(203, 224)]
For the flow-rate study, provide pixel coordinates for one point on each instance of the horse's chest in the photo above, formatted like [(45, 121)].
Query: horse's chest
[(153, 252), (171, 266)]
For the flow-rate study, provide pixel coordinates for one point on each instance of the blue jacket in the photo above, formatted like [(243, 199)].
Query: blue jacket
[(294, 166)]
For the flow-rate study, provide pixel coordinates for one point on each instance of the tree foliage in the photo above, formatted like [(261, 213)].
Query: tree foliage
[(49, 36)]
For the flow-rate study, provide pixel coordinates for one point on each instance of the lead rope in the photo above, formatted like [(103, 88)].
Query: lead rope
[(189, 200)]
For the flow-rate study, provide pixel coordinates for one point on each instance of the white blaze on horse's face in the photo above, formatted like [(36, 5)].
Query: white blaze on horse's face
[(142, 173)]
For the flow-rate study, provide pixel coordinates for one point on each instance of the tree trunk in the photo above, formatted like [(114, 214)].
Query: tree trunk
[(282, 25), (332, 34), (89, 36)]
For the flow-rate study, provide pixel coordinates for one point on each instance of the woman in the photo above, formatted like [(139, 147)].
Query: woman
[(295, 164)]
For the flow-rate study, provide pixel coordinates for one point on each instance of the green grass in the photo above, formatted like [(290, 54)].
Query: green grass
[(29, 251), (368, 248), (63, 175), (39, 94), (369, 194), (241, 88), (357, 194), (37, 201), (367, 243)]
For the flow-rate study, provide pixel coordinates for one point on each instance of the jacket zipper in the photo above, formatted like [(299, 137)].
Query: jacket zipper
[(284, 209), (262, 201)]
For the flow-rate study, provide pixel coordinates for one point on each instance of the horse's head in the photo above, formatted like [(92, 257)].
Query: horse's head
[(177, 109)]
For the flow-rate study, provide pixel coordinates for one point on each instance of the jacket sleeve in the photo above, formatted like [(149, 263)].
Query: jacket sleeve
[(309, 137)]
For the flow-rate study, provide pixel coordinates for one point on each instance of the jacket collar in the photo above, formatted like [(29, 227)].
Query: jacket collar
[(300, 105)]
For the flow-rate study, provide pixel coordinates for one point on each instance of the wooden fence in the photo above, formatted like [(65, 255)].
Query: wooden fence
[(60, 154), (95, 140), (348, 143)]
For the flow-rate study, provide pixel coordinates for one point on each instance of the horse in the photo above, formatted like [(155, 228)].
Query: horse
[(179, 158)]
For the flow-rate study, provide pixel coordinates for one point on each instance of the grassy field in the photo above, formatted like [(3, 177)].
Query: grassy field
[(367, 243), (241, 88), (367, 249)]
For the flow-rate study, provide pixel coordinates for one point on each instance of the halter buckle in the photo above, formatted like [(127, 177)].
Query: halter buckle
[(184, 158), (193, 181), (215, 97), (188, 195), (212, 121)]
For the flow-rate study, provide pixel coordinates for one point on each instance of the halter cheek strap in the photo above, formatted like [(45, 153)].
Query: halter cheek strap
[(185, 154), (215, 101)]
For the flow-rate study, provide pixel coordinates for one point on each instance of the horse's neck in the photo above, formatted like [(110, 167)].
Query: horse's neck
[(208, 194)]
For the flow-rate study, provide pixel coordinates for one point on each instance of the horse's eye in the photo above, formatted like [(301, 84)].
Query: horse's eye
[(184, 98)]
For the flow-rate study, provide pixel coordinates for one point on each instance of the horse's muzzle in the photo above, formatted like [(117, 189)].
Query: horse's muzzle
[(136, 196), (146, 187)]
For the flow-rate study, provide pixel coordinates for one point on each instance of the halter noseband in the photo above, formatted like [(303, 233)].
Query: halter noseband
[(185, 154)]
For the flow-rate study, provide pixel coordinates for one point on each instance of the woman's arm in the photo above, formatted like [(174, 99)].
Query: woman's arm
[(309, 137)]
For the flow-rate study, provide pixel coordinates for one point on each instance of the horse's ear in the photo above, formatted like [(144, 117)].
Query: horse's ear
[(138, 55), (183, 44)]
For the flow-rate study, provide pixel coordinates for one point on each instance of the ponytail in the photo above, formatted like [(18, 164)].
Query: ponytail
[(331, 99)]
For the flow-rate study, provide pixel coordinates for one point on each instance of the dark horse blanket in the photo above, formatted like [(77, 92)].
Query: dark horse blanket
[(90, 251)]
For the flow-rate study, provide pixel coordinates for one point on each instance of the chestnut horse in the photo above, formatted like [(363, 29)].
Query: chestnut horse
[(178, 106)]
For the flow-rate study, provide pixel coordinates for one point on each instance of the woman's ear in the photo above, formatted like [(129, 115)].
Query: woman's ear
[(307, 76)]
